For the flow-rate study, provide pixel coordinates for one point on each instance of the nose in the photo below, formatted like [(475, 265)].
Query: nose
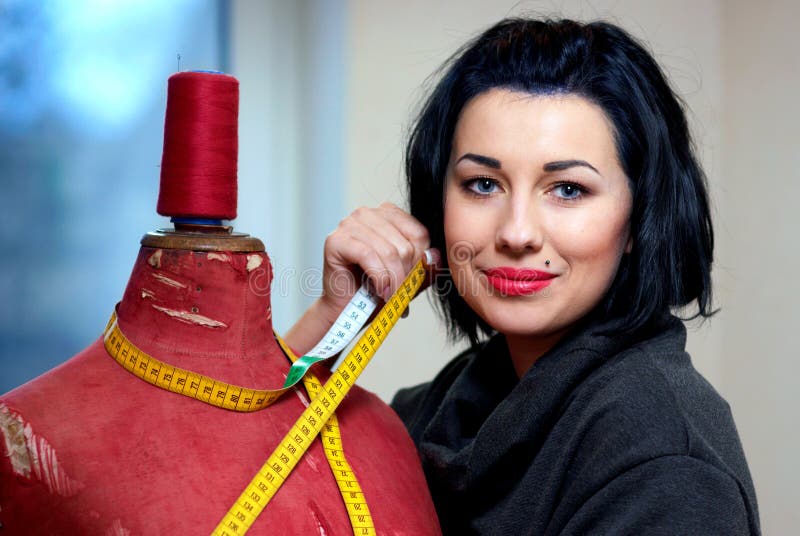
[(519, 230)]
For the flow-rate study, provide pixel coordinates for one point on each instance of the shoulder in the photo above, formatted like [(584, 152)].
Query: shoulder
[(622, 414), (671, 494), (647, 415), (651, 401), (647, 377)]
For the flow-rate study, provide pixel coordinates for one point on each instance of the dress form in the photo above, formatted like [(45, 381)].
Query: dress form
[(88, 448)]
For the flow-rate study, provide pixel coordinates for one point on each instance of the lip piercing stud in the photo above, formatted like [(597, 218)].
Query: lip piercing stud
[(547, 262)]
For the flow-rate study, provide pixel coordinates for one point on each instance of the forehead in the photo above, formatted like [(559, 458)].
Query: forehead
[(502, 122)]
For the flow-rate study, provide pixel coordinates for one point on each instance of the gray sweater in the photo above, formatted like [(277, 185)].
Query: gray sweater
[(604, 434)]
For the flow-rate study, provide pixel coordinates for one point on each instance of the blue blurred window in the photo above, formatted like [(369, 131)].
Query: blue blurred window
[(82, 96)]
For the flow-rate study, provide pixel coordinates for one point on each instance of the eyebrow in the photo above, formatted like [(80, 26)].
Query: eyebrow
[(559, 165), (487, 161)]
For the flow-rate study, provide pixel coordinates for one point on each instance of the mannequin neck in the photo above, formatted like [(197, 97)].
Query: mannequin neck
[(207, 311)]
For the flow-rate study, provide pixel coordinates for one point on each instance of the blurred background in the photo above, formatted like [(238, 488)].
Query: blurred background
[(327, 92)]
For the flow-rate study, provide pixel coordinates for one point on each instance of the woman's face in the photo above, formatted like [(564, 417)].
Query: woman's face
[(534, 178)]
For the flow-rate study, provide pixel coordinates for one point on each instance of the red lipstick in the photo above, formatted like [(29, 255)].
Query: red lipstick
[(518, 282)]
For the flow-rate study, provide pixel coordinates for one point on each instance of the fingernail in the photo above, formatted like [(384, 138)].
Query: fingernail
[(386, 293), (432, 257)]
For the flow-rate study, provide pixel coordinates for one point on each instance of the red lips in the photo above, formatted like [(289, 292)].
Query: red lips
[(518, 282)]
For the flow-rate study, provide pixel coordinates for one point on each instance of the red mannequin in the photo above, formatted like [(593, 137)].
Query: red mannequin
[(88, 448)]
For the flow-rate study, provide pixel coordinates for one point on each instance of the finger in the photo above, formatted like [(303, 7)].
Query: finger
[(401, 230), (409, 227), (432, 259), (347, 258), (374, 231), (388, 279), (378, 258), (409, 237)]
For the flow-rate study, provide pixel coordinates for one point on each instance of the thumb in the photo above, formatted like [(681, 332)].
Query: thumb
[(432, 260)]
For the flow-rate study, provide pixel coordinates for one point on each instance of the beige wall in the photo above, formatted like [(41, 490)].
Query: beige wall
[(760, 248), (733, 63)]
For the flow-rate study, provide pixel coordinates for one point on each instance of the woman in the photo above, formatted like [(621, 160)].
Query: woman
[(552, 164)]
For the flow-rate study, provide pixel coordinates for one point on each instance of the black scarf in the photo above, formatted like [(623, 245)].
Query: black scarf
[(498, 452)]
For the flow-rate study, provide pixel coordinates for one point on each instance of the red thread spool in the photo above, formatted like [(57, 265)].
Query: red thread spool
[(201, 145)]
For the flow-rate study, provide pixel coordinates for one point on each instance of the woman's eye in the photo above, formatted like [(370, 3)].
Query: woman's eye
[(482, 185), (568, 191)]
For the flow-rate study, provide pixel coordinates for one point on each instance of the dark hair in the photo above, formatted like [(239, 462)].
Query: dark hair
[(673, 239)]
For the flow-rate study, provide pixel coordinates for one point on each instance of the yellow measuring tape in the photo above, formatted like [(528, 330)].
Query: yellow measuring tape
[(317, 418), (158, 373), (186, 382), (357, 509), (284, 458)]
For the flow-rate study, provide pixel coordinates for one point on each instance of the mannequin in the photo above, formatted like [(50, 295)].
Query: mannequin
[(89, 448)]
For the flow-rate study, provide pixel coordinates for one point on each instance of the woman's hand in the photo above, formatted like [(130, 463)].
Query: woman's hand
[(375, 245), (379, 246)]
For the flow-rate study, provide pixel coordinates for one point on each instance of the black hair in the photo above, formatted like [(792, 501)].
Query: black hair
[(673, 239)]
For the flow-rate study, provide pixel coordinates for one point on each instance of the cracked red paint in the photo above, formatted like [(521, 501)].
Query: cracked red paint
[(222, 257), (191, 318), (155, 259), (254, 261), (32, 456), (116, 529), (167, 281)]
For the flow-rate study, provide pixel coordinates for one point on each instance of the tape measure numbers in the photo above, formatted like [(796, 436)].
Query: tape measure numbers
[(225, 395), (350, 490), (343, 330), (284, 458), (202, 388), (318, 418), (181, 381)]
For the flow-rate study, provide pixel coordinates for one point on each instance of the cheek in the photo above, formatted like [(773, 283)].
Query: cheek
[(466, 230), (590, 237)]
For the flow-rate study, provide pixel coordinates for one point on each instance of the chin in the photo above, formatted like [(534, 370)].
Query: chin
[(528, 321)]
